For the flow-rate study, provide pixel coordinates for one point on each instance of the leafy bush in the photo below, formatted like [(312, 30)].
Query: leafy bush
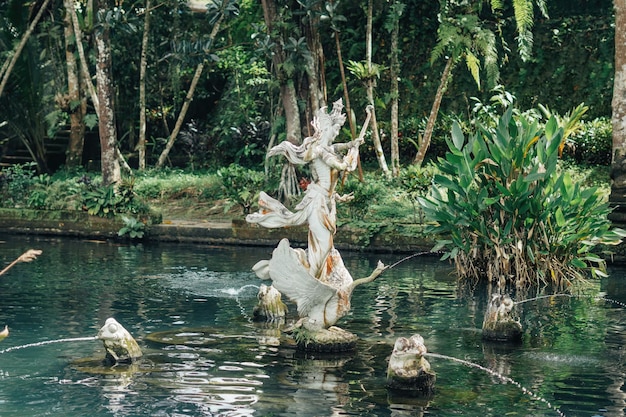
[(415, 181), (101, 201), (15, 184), (134, 228), (364, 196), (241, 185), (503, 211), (593, 142), (108, 201)]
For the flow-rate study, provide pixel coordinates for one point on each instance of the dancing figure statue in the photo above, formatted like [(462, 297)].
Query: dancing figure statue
[(316, 278)]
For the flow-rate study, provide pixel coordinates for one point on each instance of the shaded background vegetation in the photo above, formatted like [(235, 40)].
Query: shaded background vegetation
[(235, 109)]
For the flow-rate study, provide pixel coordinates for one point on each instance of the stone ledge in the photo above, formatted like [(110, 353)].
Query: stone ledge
[(59, 223), (237, 232)]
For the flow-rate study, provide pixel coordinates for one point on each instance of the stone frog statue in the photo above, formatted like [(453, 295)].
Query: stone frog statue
[(119, 344), (270, 306), (408, 370), (500, 323)]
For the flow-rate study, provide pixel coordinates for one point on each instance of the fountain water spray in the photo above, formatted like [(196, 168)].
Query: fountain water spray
[(412, 256), (595, 297), (499, 376), (48, 342)]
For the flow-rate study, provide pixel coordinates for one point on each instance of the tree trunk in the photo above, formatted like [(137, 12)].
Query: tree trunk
[(141, 145), (432, 118), (371, 82), (315, 65), (618, 163), (189, 96), (78, 34), (394, 74), (288, 94), (111, 173), (9, 64), (181, 116), (76, 143), (346, 97), (344, 83)]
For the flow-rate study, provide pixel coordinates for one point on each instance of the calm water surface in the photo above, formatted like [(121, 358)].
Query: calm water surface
[(572, 355)]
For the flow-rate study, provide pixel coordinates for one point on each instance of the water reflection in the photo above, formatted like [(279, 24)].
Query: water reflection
[(572, 353)]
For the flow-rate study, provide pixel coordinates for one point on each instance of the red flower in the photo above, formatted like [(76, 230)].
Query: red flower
[(304, 183)]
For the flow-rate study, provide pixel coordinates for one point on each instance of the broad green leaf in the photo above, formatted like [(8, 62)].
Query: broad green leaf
[(560, 219), (457, 136)]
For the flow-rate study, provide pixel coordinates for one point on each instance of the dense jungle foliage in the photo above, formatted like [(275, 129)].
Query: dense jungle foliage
[(236, 111), (201, 90)]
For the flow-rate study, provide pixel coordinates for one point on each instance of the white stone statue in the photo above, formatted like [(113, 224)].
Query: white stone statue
[(500, 323), (316, 278), (120, 346), (407, 368)]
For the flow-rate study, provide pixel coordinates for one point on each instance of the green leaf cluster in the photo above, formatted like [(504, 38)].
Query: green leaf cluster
[(108, 201), (503, 210), (133, 228), (241, 185)]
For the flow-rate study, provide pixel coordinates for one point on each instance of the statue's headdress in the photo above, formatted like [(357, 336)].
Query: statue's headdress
[(325, 119)]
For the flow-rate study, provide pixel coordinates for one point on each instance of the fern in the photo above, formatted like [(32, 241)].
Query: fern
[(473, 65)]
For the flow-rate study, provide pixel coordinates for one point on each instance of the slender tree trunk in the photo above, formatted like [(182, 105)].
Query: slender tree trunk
[(181, 116), (346, 97), (288, 94), (141, 145), (76, 143), (9, 64), (344, 83), (618, 163), (395, 95), (315, 67), (78, 34), (188, 97), (111, 173), (371, 83), (432, 118)]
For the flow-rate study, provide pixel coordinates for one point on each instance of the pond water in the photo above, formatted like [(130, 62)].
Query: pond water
[(571, 357)]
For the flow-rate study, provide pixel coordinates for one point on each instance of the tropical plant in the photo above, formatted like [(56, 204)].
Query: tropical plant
[(15, 183), (570, 122), (415, 181), (593, 141), (110, 200), (241, 185), (101, 201), (503, 212), (134, 228)]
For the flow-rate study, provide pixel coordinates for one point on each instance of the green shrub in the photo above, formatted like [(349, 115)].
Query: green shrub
[(108, 201), (504, 212), (241, 185), (415, 182), (364, 195), (15, 184), (593, 142), (133, 228)]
